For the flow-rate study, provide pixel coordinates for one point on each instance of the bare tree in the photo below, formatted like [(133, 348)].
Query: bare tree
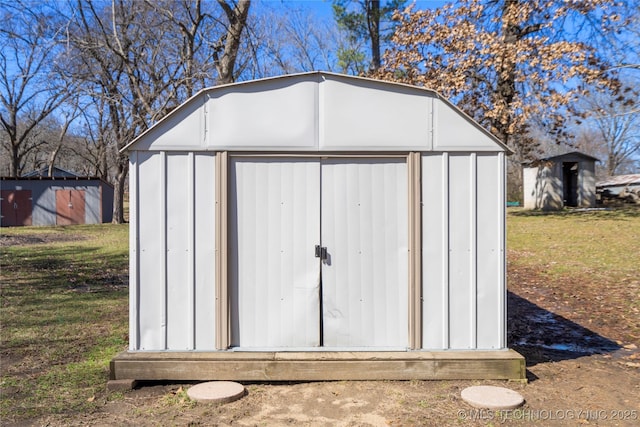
[(190, 19), (279, 43), (226, 50), (29, 89), (134, 74), (614, 121), (68, 117)]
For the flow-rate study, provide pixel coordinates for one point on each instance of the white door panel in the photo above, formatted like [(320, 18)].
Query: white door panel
[(281, 209), (275, 220), (364, 228)]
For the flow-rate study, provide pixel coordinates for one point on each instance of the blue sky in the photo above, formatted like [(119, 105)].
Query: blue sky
[(322, 8)]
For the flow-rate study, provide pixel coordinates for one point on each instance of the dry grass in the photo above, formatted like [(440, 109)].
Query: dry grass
[(581, 264), (64, 308), (64, 316)]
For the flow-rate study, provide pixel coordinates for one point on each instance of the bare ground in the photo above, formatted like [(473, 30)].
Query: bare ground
[(583, 368)]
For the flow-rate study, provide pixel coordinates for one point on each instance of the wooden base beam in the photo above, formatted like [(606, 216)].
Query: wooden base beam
[(318, 365)]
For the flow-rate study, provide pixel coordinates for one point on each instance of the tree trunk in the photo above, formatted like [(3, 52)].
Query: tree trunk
[(373, 25), (15, 161), (52, 159), (506, 85), (237, 17), (118, 191)]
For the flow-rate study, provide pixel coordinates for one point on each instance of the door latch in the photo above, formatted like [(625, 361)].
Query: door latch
[(321, 252)]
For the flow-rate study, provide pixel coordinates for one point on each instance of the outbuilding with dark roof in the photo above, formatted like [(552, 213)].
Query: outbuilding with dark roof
[(62, 199)]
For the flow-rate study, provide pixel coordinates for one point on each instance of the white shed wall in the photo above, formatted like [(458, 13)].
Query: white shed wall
[(463, 284), (587, 185), (281, 206), (543, 186), (173, 205), (172, 288)]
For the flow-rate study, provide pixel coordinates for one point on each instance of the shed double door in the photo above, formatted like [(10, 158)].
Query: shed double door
[(319, 253)]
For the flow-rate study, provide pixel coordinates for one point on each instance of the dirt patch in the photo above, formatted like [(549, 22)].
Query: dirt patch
[(579, 313), (579, 372), (37, 239), (590, 390)]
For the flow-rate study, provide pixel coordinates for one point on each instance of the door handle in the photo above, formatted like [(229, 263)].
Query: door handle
[(321, 252)]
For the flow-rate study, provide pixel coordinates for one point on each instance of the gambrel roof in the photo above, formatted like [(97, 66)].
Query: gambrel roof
[(317, 111)]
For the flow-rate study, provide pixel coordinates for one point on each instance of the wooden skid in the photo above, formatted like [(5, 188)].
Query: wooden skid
[(317, 366)]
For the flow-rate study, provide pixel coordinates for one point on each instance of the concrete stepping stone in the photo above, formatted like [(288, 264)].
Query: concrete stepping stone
[(216, 392), (491, 397)]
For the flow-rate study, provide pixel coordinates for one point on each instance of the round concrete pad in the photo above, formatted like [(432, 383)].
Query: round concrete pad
[(490, 397), (216, 391)]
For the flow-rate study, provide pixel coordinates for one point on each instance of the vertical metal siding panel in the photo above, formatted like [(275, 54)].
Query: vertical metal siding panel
[(433, 259), (489, 251), (191, 234), (134, 259), (205, 251), (459, 251), (150, 255), (365, 230), (446, 253), (502, 218), (163, 245), (275, 225), (473, 253), (179, 287)]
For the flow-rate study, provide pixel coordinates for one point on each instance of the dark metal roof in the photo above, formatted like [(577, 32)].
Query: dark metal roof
[(57, 173), (54, 178)]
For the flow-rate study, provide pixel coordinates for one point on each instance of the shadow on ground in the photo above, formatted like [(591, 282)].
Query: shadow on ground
[(542, 336)]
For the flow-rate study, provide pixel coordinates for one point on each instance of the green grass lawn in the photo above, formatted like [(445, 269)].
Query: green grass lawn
[(64, 316), (601, 243), (585, 265)]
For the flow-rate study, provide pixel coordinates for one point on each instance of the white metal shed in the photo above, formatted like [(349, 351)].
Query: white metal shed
[(555, 182), (317, 217)]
